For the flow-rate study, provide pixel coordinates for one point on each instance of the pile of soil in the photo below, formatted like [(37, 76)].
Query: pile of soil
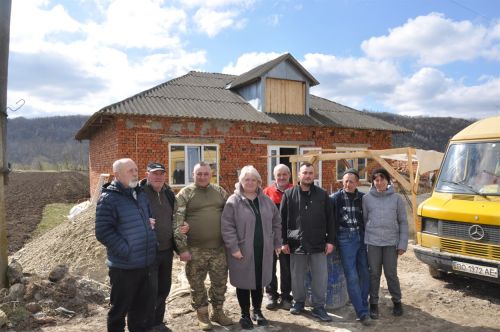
[(27, 193), (72, 243), (34, 301)]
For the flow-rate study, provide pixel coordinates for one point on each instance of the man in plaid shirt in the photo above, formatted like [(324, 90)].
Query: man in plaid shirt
[(350, 242)]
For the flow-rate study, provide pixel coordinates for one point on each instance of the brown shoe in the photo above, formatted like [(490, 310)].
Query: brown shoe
[(219, 316), (203, 321)]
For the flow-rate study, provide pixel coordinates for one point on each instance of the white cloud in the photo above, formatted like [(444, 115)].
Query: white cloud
[(211, 22), (148, 26), (430, 92), (248, 61), (31, 25), (217, 3), (274, 20), (436, 40), (350, 80), (70, 66)]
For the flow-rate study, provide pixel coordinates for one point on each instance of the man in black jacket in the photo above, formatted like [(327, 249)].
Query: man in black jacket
[(308, 232), (162, 202)]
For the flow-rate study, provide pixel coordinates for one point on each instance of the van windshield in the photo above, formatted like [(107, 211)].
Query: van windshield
[(471, 168)]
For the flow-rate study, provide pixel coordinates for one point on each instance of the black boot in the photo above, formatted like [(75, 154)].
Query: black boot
[(373, 311), (398, 309), (259, 318), (245, 322)]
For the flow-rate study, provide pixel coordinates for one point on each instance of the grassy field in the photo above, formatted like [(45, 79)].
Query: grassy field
[(53, 215)]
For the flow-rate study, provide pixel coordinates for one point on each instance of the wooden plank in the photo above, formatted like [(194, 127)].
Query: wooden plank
[(295, 101)]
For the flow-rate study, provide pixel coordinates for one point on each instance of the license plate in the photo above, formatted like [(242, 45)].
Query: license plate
[(475, 269)]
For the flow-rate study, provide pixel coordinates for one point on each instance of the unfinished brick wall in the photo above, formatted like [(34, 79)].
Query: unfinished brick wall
[(103, 150), (146, 139)]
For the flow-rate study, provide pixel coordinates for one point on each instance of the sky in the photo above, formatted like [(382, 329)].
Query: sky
[(410, 57)]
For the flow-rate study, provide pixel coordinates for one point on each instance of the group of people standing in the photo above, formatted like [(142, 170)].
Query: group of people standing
[(245, 235)]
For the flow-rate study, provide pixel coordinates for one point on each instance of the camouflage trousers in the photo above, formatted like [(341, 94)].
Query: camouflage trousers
[(214, 263)]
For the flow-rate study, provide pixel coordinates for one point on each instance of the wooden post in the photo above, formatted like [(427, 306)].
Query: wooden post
[(5, 8), (412, 190)]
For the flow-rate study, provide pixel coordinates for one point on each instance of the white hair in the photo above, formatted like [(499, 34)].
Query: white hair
[(249, 169), (117, 165), (280, 167)]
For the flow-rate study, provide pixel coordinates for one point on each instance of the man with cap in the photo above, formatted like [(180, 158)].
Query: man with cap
[(348, 211), (162, 202)]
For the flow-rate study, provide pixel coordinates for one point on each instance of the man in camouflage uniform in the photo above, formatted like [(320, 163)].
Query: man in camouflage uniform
[(199, 241)]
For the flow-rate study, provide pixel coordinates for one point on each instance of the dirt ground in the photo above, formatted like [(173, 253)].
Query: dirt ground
[(451, 304), (28, 192)]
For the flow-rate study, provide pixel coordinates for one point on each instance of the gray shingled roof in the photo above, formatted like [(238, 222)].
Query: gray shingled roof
[(204, 96), (257, 72)]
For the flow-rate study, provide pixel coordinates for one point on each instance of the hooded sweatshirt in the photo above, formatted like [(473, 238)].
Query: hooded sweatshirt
[(384, 215)]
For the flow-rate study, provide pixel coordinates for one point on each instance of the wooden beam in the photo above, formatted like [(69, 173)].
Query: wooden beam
[(294, 173)]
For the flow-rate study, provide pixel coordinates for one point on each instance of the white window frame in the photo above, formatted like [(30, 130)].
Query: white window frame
[(354, 162), (304, 150), (189, 171), (270, 168)]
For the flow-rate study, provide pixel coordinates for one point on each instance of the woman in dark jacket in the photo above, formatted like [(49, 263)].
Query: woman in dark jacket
[(251, 230)]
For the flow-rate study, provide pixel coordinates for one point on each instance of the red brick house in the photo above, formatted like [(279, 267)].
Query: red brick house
[(258, 118)]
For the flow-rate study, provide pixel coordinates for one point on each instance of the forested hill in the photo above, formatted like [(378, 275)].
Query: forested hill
[(429, 133), (48, 143)]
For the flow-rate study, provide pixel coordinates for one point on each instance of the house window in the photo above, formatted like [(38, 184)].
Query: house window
[(358, 163), (183, 157), (281, 155)]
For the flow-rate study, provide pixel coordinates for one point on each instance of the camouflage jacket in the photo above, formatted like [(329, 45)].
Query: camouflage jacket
[(182, 199)]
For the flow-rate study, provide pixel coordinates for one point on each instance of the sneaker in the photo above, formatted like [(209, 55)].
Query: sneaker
[(398, 309), (321, 313), (297, 308), (365, 320), (373, 311), (286, 304), (246, 323), (272, 303)]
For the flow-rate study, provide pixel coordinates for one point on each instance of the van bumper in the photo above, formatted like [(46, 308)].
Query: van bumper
[(443, 261)]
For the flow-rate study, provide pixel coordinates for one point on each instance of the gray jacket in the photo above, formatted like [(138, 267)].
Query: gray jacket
[(238, 227), (384, 214)]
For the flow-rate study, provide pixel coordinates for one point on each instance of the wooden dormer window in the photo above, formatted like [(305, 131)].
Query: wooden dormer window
[(285, 96)]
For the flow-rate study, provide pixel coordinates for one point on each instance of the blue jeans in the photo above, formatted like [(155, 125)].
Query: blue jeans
[(355, 263)]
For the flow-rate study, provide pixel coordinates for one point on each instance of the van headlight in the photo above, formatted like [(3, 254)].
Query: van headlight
[(430, 225)]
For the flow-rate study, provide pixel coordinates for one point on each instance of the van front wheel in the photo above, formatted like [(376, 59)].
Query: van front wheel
[(435, 273)]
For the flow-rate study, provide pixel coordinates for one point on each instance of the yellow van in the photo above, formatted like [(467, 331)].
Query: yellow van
[(458, 227)]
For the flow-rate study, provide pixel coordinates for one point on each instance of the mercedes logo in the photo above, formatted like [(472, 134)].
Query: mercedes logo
[(476, 232)]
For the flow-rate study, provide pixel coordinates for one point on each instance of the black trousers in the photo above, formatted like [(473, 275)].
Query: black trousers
[(131, 294), (285, 278), (164, 271), (244, 295)]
